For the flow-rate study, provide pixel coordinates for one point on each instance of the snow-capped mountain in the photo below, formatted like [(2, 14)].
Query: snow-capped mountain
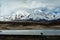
[(34, 14)]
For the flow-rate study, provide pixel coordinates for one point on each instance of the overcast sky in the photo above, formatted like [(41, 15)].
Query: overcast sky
[(34, 3), (7, 6)]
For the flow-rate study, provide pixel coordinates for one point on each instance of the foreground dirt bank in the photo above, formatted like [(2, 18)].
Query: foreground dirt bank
[(25, 27)]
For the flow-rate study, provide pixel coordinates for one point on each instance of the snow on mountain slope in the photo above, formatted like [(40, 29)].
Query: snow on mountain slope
[(21, 14), (38, 13), (34, 14), (29, 9)]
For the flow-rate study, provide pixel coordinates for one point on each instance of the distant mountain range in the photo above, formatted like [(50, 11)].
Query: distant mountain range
[(41, 14)]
